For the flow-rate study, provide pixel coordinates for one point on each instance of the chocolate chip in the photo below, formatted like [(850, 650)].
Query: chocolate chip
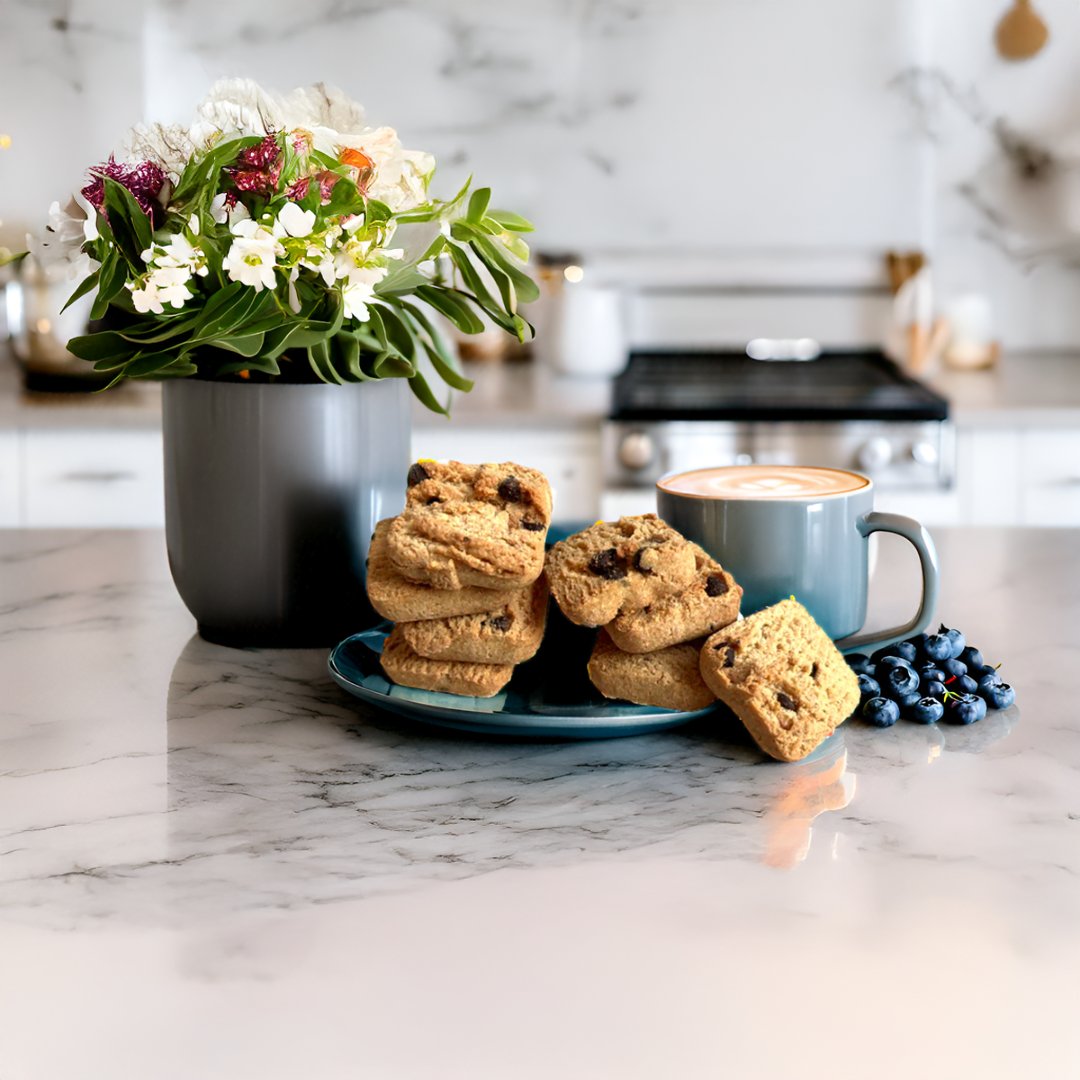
[(433, 500), (510, 489), (608, 565), (715, 585), (729, 656), (417, 473), (786, 702), (532, 526), (813, 670), (646, 559), (500, 623)]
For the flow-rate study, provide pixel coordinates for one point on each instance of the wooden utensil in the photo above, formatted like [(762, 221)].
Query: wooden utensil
[(1021, 33)]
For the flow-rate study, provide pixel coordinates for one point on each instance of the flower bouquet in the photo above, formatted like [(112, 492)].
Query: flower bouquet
[(279, 238), (290, 259)]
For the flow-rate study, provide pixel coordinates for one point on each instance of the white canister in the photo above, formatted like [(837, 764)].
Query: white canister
[(584, 331)]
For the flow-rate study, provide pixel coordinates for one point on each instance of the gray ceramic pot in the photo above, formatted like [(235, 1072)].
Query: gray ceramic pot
[(271, 495)]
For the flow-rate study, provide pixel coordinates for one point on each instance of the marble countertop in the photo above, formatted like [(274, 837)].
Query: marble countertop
[(1024, 390), (214, 863)]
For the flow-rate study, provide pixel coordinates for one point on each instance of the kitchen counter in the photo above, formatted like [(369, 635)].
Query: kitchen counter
[(214, 863), (1025, 390)]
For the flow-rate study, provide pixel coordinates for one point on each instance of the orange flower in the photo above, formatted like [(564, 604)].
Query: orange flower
[(357, 158)]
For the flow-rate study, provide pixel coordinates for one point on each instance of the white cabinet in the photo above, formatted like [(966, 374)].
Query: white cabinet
[(570, 460), (92, 479), (10, 480), (1050, 485)]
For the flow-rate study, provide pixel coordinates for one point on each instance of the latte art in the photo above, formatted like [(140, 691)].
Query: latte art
[(764, 482)]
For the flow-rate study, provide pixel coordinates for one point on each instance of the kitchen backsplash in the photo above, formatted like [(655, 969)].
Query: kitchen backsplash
[(683, 139)]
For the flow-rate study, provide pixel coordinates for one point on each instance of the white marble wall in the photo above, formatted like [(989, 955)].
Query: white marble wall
[(678, 129)]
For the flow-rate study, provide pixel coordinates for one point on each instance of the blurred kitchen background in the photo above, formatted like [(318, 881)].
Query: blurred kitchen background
[(806, 183)]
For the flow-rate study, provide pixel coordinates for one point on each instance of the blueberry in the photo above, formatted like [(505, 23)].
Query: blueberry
[(965, 709), (897, 680), (860, 664), (925, 710), (998, 695), (963, 684), (881, 712), (936, 647), (957, 639), (868, 687), (890, 663), (903, 649), (953, 667), (908, 700), (972, 657), (934, 688), (984, 671), (930, 671), (984, 682)]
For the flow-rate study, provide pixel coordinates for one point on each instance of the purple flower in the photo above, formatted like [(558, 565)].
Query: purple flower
[(258, 168), (144, 180)]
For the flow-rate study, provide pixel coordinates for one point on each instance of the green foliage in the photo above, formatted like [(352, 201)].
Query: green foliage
[(219, 323)]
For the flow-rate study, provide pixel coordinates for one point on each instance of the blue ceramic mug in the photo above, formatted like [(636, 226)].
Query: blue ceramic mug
[(785, 530)]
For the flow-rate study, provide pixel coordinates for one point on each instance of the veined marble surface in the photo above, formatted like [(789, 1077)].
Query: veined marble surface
[(213, 863)]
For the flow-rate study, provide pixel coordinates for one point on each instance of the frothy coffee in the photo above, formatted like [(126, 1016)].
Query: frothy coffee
[(764, 482)]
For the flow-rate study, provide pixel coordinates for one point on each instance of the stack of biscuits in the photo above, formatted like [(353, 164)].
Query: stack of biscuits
[(656, 595), (461, 573)]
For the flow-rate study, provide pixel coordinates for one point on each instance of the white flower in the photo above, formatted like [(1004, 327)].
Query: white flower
[(356, 296), (178, 252), (60, 245), (321, 106), (164, 285), (252, 261), (236, 107), (169, 145), (295, 220), (221, 213)]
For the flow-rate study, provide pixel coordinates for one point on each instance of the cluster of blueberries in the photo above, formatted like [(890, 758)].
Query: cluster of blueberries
[(926, 678)]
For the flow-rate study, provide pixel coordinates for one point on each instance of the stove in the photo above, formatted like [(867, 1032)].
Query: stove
[(775, 403)]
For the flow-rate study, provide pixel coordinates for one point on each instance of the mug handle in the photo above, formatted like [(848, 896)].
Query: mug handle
[(916, 535)]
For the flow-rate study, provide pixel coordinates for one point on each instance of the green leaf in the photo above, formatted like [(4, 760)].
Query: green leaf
[(130, 225), (511, 222), (527, 289), (450, 303), (259, 363), (478, 204), (202, 173), (87, 284), (250, 345), (112, 276), (402, 279), (418, 385), (480, 293), (142, 366), (104, 345)]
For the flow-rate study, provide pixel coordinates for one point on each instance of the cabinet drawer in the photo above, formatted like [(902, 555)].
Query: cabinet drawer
[(93, 479), (10, 484), (1050, 489)]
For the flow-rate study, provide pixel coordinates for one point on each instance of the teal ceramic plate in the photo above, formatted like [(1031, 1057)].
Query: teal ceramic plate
[(549, 697)]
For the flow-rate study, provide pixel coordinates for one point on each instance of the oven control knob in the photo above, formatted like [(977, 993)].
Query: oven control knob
[(923, 453), (636, 451), (874, 454)]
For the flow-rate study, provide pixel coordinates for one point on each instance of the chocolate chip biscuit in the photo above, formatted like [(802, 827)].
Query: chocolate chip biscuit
[(709, 602), (404, 667), (618, 566), (509, 634), (400, 600), (783, 677), (463, 525), (668, 678)]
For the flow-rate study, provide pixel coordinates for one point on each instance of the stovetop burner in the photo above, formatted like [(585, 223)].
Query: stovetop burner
[(662, 385)]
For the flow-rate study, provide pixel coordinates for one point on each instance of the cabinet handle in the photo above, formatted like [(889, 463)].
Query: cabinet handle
[(97, 477)]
